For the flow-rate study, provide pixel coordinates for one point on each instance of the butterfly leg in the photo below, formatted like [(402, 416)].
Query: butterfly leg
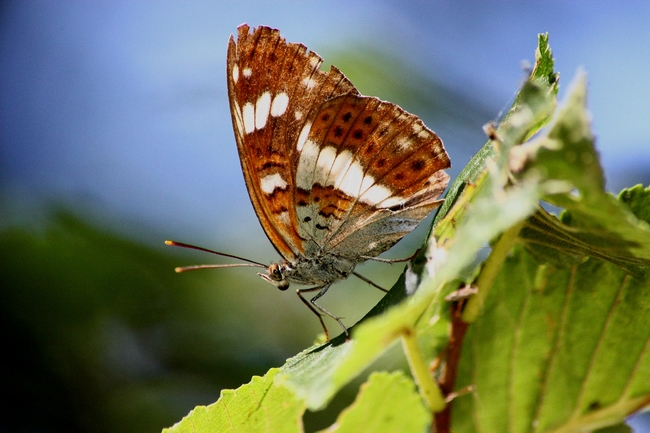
[(391, 261), (362, 278), (319, 310)]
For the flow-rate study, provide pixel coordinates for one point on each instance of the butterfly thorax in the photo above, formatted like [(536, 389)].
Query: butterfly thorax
[(320, 270)]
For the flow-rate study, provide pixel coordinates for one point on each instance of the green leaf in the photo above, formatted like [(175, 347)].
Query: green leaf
[(563, 347), (259, 406), (637, 201), (387, 403), (556, 349), (566, 151), (595, 224), (560, 348), (544, 69)]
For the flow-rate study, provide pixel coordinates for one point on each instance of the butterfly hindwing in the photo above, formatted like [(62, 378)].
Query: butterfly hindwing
[(370, 167)]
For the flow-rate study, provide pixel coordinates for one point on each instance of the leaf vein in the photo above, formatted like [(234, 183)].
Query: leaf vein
[(559, 338), (513, 355), (225, 409), (597, 348), (637, 366)]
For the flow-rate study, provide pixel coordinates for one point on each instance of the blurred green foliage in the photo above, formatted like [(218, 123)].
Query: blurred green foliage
[(101, 335)]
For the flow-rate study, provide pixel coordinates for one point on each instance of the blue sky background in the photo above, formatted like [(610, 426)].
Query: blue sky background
[(120, 108), (123, 105)]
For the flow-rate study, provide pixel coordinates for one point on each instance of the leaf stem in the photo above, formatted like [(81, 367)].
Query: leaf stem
[(490, 270), (428, 388), (442, 420)]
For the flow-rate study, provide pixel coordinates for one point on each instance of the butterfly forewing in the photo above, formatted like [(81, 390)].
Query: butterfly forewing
[(272, 87)]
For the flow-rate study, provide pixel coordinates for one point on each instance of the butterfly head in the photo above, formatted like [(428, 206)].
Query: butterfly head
[(276, 274)]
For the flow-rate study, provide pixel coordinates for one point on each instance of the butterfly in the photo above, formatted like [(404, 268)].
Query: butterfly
[(335, 178)]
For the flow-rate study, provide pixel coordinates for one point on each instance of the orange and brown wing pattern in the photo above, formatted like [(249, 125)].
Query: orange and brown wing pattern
[(272, 87), (368, 172)]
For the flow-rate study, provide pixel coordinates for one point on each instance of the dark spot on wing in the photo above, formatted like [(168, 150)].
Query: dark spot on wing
[(418, 165), (327, 214), (270, 164)]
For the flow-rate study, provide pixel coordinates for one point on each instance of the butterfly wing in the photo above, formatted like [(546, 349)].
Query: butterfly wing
[(371, 172), (272, 87)]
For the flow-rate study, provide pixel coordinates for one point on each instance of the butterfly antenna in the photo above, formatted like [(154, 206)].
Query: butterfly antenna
[(250, 263)]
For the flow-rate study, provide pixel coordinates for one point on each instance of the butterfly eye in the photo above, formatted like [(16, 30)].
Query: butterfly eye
[(275, 273)]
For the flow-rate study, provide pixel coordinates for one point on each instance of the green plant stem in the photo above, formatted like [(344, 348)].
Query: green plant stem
[(490, 271), (428, 388)]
